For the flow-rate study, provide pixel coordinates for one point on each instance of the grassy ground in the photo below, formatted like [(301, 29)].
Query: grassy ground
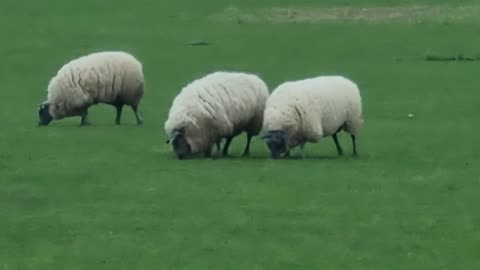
[(108, 197)]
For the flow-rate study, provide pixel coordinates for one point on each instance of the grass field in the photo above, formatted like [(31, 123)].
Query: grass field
[(115, 197)]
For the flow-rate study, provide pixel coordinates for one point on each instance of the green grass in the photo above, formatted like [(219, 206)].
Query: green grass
[(108, 197)]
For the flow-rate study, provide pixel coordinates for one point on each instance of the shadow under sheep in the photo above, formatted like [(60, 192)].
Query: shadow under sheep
[(266, 156)]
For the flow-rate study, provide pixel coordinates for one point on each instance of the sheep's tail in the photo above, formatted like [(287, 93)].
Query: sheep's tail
[(355, 120)]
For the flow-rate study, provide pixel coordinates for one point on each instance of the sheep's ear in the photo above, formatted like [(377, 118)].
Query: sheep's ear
[(174, 134), (43, 105)]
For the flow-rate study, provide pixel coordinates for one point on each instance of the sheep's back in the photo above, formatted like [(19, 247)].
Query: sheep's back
[(110, 77), (332, 101), (228, 98), (101, 77), (241, 97), (312, 108)]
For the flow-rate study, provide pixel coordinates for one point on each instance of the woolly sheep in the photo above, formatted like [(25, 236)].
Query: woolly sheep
[(303, 111), (114, 78), (219, 105)]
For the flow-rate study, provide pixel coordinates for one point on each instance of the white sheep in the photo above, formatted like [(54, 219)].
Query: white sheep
[(220, 105), (303, 111), (114, 78)]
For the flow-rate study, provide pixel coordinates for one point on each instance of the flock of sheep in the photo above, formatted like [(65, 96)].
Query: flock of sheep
[(221, 105)]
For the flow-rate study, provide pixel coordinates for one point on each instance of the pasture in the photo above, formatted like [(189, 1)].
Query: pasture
[(115, 197)]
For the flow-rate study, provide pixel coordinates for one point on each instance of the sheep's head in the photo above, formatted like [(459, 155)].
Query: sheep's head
[(44, 114), (277, 142), (180, 144)]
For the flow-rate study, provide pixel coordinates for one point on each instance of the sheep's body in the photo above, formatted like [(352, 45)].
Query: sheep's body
[(114, 78), (309, 109), (219, 105)]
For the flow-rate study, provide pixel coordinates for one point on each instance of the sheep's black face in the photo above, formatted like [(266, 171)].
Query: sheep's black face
[(44, 115), (276, 142), (180, 145)]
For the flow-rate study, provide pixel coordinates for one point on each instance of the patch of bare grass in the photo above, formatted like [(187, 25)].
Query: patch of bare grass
[(399, 14)]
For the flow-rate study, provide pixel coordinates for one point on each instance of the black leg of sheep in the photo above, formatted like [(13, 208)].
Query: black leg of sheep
[(119, 108), (208, 153), (227, 145), (84, 121), (354, 143), (337, 144), (137, 115), (246, 152), (217, 143)]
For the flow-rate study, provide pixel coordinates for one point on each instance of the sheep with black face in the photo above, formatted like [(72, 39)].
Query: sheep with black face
[(44, 114), (114, 78), (304, 111), (219, 105)]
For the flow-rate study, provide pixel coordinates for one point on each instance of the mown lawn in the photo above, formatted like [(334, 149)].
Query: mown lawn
[(115, 197)]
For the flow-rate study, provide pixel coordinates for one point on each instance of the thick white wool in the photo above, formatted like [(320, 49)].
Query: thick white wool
[(103, 77), (218, 105), (313, 108)]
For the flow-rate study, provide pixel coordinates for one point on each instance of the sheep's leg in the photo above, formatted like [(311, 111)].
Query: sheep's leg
[(246, 152), (354, 145), (227, 145), (208, 152), (119, 108), (137, 115), (219, 146), (302, 149), (337, 144), (84, 121)]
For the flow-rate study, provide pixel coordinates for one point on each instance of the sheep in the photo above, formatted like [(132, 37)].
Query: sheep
[(110, 77), (222, 104), (303, 111)]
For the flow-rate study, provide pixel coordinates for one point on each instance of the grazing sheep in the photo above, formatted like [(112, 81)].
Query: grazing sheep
[(219, 105), (114, 78), (304, 111)]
